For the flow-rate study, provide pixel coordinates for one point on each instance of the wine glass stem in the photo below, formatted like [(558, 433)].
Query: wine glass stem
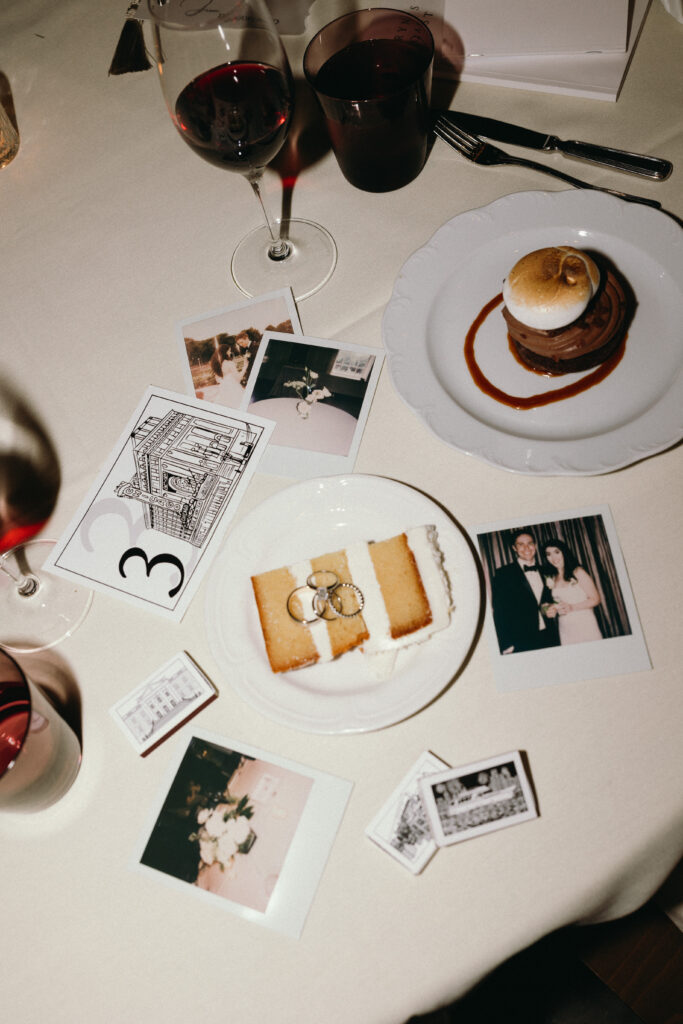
[(280, 248), (26, 585)]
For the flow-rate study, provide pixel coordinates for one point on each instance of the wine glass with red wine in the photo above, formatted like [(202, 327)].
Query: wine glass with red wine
[(37, 610), (228, 87)]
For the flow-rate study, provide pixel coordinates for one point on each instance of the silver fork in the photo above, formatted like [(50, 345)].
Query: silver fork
[(479, 152)]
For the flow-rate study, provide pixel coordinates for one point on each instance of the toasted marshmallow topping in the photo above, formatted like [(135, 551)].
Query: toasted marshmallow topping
[(550, 288)]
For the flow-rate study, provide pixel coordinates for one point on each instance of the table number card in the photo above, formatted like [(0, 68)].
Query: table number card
[(151, 523)]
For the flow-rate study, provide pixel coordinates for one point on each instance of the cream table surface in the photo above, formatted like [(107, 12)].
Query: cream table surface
[(112, 232)]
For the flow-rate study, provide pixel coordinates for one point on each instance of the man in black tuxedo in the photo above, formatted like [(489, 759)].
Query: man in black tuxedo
[(518, 590)]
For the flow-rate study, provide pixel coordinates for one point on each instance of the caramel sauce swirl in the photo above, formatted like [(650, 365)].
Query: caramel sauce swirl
[(545, 397)]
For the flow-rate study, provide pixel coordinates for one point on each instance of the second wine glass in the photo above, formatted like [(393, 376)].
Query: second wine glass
[(229, 91), (37, 610)]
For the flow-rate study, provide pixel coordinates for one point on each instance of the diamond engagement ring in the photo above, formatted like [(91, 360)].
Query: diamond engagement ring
[(327, 603)]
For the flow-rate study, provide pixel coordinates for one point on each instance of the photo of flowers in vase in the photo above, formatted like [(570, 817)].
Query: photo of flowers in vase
[(307, 391), (227, 823), (317, 393), (224, 831)]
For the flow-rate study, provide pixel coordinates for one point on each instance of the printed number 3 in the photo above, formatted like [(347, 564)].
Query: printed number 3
[(151, 562)]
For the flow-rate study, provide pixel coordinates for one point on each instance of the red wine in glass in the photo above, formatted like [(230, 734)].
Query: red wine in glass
[(228, 88), (15, 714), (236, 115), (40, 755), (36, 609)]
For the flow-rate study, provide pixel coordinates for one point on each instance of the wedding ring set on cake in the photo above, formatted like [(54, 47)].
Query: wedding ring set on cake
[(327, 602)]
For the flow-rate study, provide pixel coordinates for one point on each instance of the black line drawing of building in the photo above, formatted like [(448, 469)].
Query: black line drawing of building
[(186, 469), (162, 698)]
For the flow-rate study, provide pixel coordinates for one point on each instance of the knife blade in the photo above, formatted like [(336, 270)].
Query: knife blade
[(516, 135)]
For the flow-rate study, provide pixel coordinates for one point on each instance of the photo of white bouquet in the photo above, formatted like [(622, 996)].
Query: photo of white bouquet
[(224, 831)]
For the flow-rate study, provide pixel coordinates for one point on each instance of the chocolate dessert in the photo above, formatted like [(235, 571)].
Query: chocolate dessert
[(562, 312)]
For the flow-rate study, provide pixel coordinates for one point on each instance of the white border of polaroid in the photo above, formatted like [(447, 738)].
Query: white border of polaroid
[(480, 801), (618, 655), (283, 295), (162, 703), (305, 859), (304, 463), (406, 798)]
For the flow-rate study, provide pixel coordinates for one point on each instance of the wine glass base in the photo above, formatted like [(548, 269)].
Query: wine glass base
[(305, 270), (53, 611)]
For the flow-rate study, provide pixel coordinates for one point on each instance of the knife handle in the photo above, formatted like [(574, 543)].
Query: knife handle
[(634, 163)]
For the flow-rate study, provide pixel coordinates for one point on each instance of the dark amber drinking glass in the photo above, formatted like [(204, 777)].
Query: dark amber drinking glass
[(371, 71)]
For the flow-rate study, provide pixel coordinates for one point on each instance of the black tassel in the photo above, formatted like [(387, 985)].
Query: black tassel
[(131, 53)]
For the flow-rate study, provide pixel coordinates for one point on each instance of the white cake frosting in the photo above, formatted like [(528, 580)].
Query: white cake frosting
[(381, 648)]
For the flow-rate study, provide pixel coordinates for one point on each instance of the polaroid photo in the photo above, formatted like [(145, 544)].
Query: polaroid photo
[(319, 395), (162, 703), (244, 830), (151, 523), (468, 801), (218, 349), (560, 606), (401, 827)]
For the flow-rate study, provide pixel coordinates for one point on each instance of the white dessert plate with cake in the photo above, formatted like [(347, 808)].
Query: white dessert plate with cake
[(445, 287), (281, 542)]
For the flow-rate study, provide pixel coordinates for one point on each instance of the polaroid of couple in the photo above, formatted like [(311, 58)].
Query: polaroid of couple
[(560, 608)]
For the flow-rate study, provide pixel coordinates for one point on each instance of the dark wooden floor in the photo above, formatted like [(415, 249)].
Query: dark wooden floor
[(625, 972)]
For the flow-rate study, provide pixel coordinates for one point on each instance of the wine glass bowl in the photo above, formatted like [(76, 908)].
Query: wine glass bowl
[(37, 610), (229, 91)]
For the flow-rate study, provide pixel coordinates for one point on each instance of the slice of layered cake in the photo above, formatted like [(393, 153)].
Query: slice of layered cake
[(380, 596)]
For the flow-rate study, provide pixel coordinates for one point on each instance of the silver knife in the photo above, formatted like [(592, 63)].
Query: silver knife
[(501, 131)]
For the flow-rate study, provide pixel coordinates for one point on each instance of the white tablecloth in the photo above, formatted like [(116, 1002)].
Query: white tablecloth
[(112, 232)]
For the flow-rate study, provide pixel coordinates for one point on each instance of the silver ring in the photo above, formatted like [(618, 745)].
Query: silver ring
[(336, 610), (302, 621), (329, 580), (322, 602), (326, 602)]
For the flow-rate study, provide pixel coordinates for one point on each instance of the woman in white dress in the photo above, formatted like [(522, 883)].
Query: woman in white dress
[(574, 594)]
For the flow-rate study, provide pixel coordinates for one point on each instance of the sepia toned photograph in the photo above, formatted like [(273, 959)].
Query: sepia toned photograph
[(247, 830), (465, 802), (218, 350), (558, 594)]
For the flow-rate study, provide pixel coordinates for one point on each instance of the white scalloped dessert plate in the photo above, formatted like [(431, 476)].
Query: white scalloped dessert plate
[(635, 412), (308, 519)]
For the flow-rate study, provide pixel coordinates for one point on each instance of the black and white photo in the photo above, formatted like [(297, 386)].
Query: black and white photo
[(477, 798), (401, 827)]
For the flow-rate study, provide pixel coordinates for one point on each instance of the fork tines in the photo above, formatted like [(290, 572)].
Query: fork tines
[(467, 144)]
